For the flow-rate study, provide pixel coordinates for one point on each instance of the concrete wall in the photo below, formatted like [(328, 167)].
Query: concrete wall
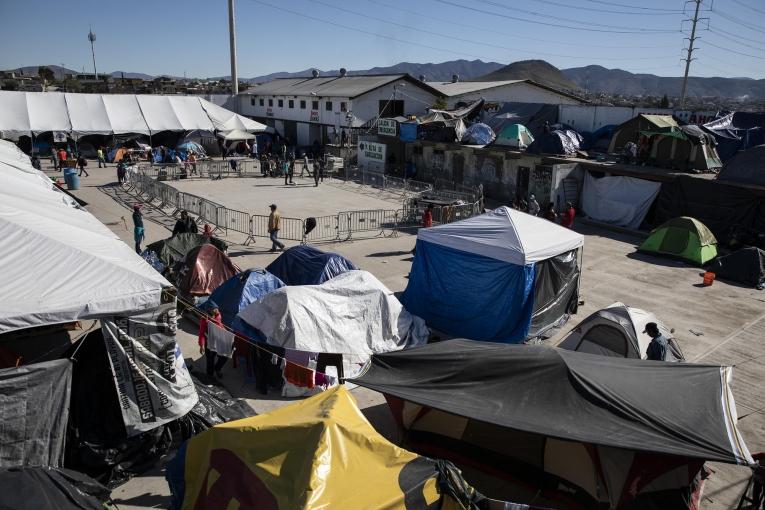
[(515, 93), (585, 118)]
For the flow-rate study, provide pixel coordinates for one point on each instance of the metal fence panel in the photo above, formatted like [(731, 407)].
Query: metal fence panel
[(327, 228), (370, 221)]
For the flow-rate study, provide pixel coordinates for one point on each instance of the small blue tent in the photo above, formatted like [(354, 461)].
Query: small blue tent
[(503, 276), (233, 296), (306, 265)]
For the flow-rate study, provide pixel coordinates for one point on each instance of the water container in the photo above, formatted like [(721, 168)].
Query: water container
[(74, 182), (68, 173), (709, 278)]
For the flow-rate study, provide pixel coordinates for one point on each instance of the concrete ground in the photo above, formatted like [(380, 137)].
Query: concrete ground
[(722, 324)]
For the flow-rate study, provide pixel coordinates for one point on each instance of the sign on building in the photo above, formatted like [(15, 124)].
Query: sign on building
[(59, 136), (314, 116), (269, 112), (386, 127), (371, 154)]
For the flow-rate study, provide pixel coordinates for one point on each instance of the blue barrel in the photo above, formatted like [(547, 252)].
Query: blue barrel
[(71, 178)]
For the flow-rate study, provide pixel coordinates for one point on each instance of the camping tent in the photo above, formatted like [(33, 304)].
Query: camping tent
[(174, 249), (318, 453), (502, 276), (611, 430), (306, 265), (630, 131), (352, 314), (564, 142), (617, 330), (684, 237), (682, 147), (745, 167), (28, 113), (746, 265), (203, 269), (737, 131), (236, 293), (618, 200), (46, 488), (478, 134), (514, 135)]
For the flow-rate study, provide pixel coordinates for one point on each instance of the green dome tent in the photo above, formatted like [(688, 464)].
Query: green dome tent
[(684, 237), (514, 135)]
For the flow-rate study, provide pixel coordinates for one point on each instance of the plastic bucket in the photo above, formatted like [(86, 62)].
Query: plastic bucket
[(709, 278), (73, 182)]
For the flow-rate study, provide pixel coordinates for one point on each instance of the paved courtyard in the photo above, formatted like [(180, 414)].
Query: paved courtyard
[(723, 323)]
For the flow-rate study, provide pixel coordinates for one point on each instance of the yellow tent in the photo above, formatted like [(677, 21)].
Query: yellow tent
[(320, 453)]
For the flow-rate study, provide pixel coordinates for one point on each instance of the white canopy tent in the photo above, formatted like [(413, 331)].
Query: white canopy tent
[(32, 113), (60, 263), (505, 234), (236, 134)]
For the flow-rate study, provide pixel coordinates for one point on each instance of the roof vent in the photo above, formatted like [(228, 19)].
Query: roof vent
[(422, 77), (343, 71), (455, 78), (315, 73)]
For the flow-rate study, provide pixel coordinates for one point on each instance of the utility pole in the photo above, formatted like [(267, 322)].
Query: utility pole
[(689, 56), (92, 39), (232, 38)]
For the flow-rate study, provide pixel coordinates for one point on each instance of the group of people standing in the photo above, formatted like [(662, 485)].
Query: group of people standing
[(61, 158), (533, 208), (284, 165)]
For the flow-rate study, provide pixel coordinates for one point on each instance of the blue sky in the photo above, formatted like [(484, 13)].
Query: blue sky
[(191, 36)]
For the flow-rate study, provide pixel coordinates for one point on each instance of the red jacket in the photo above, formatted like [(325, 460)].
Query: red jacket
[(567, 218), (427, 218), (203, 328)]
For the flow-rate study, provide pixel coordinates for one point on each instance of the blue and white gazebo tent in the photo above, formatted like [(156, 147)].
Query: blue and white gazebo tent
[(504, 276)]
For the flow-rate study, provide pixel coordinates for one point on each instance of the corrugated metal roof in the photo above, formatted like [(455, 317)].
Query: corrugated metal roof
[(449, 89), (330, 86)]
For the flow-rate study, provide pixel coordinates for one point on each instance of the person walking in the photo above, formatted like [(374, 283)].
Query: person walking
[(305, 165), (185, 225), (274, 223), (427, 216), (82, 163), (61, 159), (214, 361), (121, 170), (101, 159), (54, 158), (316, 171), (138, 231)]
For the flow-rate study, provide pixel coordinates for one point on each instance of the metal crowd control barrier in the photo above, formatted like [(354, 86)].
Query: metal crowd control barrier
[(368, 221), (327, 229)]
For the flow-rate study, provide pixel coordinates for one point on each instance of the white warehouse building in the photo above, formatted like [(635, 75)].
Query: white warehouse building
[(320, 108)]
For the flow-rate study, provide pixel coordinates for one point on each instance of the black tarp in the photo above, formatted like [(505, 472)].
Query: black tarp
[(555, 142), (34, 413), (737, 131), (556, 293), (746, 265), (638, 405), (215, 406), (174, 249), (729, 211), (46, 488), (746, 167)]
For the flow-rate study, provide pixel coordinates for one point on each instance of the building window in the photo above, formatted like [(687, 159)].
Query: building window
[(328, 106), (270, 102), (314, 105), (343, 106), (252, 101), (261, 102), (393, 108), (291, 103), (281, 103), (302, 104)]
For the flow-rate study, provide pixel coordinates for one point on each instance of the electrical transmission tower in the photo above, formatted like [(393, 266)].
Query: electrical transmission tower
[(691, 40)]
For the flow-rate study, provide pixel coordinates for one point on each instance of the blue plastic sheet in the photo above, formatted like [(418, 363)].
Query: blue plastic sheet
[(469, 295), (233, 295), (306, 265)]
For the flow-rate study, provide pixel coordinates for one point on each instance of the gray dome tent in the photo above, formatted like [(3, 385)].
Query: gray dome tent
[(617, 331)]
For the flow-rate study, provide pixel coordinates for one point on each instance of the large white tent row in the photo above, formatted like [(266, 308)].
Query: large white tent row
[(60, 263), (25, 113)]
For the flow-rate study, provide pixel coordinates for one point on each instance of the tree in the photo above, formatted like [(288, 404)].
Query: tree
[(440, 104), (46, 73), (664, 103)]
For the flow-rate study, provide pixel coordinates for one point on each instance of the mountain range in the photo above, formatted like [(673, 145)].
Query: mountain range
[(592, 79)]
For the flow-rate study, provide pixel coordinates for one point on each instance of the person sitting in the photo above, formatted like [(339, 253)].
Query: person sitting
[(185, 225)]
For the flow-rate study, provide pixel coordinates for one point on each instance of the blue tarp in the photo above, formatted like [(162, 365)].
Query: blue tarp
[(233, 295), (306, 265), (469, 295)]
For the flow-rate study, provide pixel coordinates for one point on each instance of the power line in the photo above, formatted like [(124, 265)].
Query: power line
[(549, 16), (613, 4), (739, 21), (505, 34), (739, 2), (734, 51), (598, 9), (735, 36), (583, 29), (472, 41), (734, 41)]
